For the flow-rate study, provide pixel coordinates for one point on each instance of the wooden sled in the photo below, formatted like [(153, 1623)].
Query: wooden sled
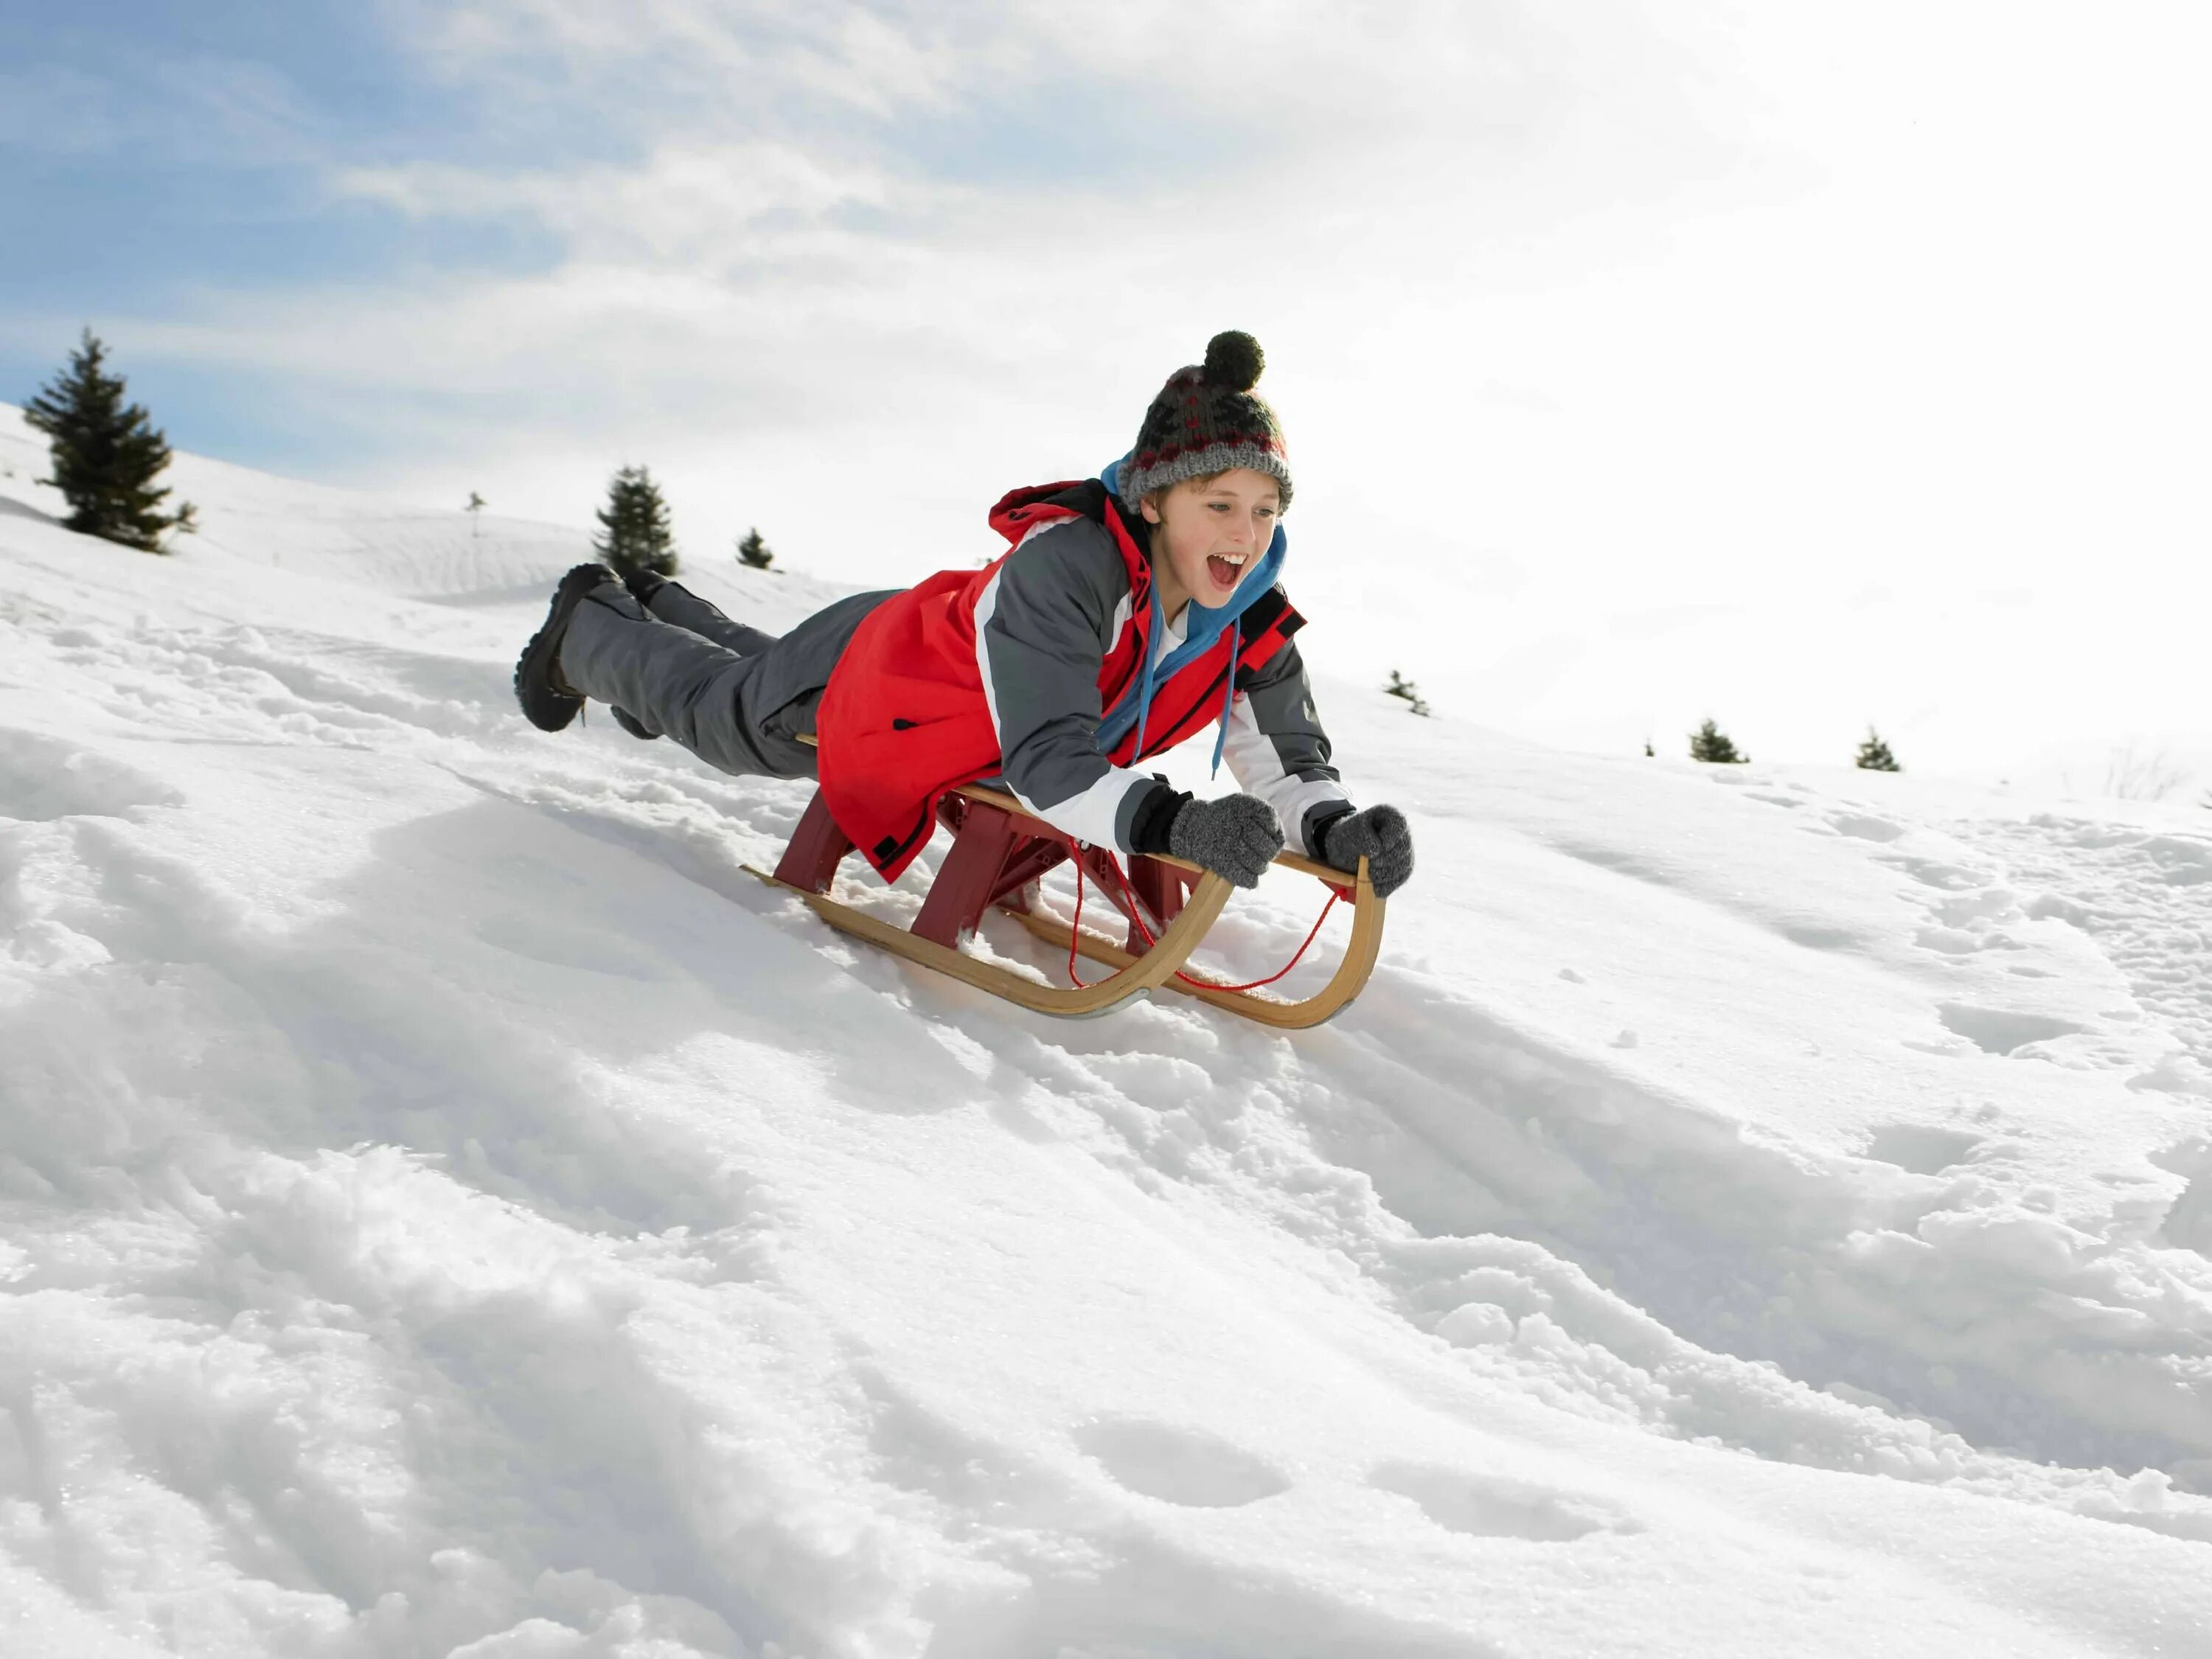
[(999, 854)]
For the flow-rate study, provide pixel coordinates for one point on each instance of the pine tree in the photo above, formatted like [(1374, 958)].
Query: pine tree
[(107, 453), (638, 539), (475, 510), (1874, 755), (753, 552), (1400, 686), (1709, 743)]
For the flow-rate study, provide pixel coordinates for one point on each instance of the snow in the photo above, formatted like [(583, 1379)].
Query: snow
[(448, 1206)]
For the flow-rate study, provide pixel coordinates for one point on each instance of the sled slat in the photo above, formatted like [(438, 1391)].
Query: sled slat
[(1142, 973), (1351, 977)]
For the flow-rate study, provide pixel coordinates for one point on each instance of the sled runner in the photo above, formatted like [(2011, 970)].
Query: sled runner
[(999, 854)]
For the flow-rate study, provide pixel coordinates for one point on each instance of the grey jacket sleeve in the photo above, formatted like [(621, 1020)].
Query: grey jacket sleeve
[(1043, 625), (1276, 750)]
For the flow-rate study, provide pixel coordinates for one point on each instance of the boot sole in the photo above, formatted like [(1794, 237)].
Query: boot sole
[(544, 708)]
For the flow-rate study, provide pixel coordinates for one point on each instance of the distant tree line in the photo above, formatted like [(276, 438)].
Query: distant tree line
[(1713, 746), (1708, 744), (634, 534), (107, 453), (1404, 688)]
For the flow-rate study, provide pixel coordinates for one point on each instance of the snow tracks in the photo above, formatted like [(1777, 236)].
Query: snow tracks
[(447, 1207)]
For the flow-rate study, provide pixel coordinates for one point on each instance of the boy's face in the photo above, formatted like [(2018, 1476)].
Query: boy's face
[(1210, 531)]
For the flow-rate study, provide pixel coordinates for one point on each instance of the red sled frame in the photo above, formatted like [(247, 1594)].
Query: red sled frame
[(999, 854)]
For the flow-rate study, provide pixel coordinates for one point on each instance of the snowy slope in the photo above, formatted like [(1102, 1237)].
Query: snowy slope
[(447, 1205)]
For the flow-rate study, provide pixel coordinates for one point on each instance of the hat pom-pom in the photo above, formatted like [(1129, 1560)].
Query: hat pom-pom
[(1233, 360)]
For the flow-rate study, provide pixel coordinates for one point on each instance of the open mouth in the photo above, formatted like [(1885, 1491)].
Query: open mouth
[(1227, 569)]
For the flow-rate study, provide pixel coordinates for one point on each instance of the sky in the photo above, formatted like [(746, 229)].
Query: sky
[(1803, 366)]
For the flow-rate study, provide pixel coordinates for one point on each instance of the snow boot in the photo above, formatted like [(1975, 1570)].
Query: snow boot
[(631, 724), (546, 700)]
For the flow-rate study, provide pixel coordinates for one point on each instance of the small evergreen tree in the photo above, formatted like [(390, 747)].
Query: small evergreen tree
[(2131, 774), (753, 552), (475, 510), (1709, 743), (637, 537), (106, 452), (1400, 686), (1874, 755)]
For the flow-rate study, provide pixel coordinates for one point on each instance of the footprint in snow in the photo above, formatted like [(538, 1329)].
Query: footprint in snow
[(1178, 1466), (41, 780), (1921, 1148), (2187, 1224), (2001, 1031), (1816, 935), (1491, 1506), (1984, 904), (1865, 827), (1935, 873), (1949, 942), (544, 941)]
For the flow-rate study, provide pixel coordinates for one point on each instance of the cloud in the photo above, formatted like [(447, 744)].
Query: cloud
[(1572, 312), (1270, 85), (949, 249), (659, 66), (834, 194), (706, 211)]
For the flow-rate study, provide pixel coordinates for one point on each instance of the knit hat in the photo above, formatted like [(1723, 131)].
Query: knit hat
[(1205, 421)]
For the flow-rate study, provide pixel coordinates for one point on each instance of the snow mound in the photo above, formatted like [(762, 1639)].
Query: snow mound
[(447, 1205)]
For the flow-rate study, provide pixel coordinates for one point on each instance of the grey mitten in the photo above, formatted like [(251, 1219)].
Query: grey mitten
[(1236, 835), (1382, 836)]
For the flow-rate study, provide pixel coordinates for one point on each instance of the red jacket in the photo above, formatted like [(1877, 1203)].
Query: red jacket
[(904, 718)]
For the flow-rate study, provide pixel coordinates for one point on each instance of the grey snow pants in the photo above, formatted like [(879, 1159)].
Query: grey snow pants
[(736, 697)]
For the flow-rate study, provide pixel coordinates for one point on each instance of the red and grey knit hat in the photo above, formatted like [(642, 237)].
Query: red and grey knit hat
[(1205, 421)]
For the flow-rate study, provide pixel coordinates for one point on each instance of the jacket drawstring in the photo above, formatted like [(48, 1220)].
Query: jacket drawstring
[(1229, 696), (1144, 686)]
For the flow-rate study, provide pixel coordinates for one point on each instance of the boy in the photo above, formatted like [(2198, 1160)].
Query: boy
[(1134, 610)]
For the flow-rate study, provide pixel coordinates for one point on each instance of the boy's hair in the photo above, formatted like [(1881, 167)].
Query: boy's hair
[(1160, 492), (1200, 479)]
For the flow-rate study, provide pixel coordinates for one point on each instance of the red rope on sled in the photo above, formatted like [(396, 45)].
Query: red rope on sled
[(1137, 921)]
